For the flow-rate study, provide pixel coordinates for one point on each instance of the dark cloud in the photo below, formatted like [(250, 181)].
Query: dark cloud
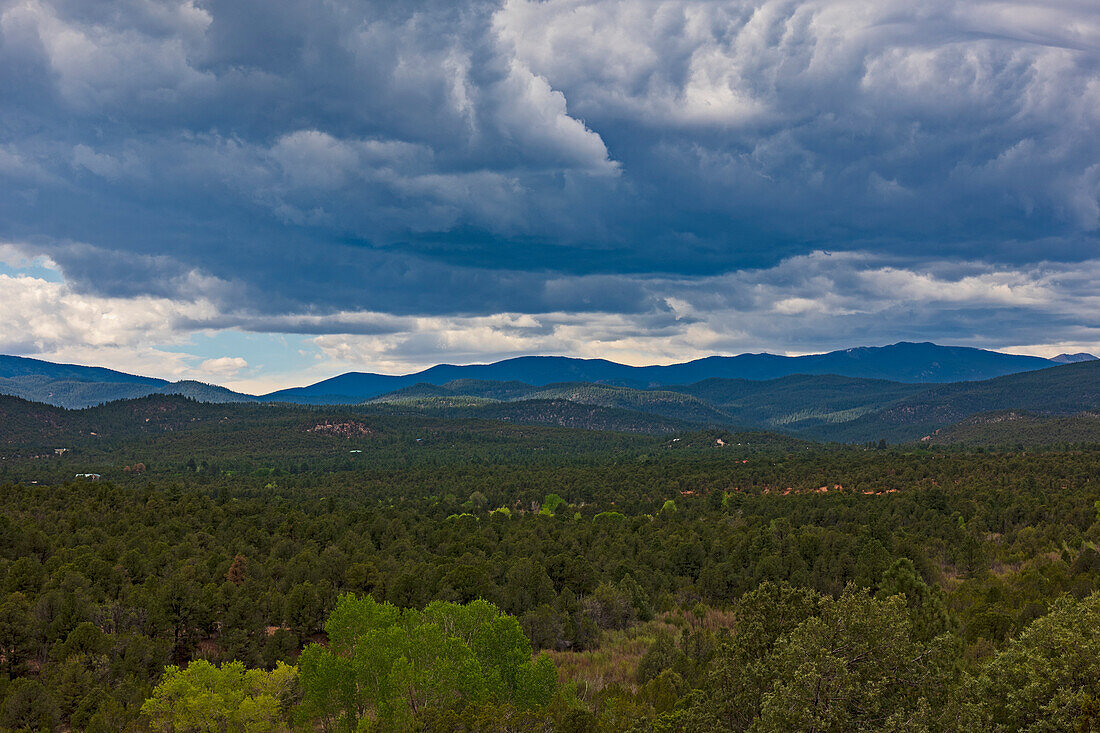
[(463, 158)]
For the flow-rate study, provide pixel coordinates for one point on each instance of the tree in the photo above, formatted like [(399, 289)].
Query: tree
[(853, 667), (393, 665), (204, 698), (527, 586), (29, 706), (661, 655), (551, 504), (809, 663), (741, 675), (1048, 679), (610, 607), (543, 626), (638, 597), (928, 614), (16, 632), (303, 609), (237, 570)]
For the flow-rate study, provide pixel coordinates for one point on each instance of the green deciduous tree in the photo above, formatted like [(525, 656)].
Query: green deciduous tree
[(204, 698), (393, 665)]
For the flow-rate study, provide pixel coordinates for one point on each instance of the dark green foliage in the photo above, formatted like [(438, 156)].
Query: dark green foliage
[(1046, 680), (928, 616), (28, 706), (243, 557), (1016, 429)]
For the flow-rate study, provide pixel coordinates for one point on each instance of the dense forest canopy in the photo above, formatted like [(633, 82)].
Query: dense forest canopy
[(244, 568)]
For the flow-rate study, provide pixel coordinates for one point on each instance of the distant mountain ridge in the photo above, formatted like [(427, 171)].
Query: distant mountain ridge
[(74, 386), (901, 362), (822, 407)]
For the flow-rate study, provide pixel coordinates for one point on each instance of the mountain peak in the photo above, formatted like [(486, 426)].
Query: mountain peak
[(1074, 358)]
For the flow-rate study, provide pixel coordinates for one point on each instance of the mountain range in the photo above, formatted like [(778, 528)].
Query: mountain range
[(73, 386), (819, 407), (901, 392), (901, 362)]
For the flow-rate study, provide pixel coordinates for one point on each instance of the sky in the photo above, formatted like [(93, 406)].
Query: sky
[(265, 193)]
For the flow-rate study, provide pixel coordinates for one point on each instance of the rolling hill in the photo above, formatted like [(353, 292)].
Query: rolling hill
[(74, 386), (551, 412), (799, 402), (1064, 390), (676, 406), (1015, 429)]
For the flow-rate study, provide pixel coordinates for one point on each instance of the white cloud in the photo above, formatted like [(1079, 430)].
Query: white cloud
[(223, 367), (21, 257), (49, 320), (804, 304), (786, 309)]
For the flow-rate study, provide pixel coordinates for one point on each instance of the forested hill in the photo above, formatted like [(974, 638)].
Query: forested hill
[(1063, 390), (26, 425), (1014, 429), (167, 434), (74, 386), (673, 405)]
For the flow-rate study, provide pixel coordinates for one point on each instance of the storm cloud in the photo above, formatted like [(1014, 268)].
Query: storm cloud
[(348, 170)]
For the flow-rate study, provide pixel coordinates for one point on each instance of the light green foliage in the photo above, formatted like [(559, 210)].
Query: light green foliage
[(205, 698), (668, 508), (390, 665), (551, 503)]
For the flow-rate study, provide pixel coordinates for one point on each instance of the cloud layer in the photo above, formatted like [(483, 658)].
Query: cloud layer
[(401, 183)]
